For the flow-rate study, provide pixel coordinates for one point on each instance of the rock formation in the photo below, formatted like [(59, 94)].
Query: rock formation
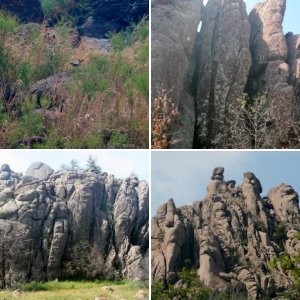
[(223, 63), (233, 54), (269, 71), (64, 224), (25, 10), (174, 25), (229, 236)]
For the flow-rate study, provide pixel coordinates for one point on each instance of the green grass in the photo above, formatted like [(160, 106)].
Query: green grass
[(52, 7), (77, 290)]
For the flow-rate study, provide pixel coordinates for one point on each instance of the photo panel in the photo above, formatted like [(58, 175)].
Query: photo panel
[(74, 74), (225, 74), (74, 224), (225, 225)]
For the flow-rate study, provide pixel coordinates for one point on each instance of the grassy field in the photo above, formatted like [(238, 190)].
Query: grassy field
[(67, 290)]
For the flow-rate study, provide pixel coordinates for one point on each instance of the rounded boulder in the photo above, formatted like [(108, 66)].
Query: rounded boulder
[(39, 171)]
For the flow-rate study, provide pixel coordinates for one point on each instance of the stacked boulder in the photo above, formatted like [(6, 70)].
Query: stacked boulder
[(229, 236)]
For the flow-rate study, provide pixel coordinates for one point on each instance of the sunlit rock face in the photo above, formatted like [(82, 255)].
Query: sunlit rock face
[(229, 236), (269, 71)]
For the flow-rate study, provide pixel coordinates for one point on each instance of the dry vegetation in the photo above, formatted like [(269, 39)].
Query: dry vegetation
[(163, 114), (102, 103)]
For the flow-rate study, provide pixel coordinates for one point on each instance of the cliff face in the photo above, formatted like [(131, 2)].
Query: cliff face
[(174, 25), (223, 62), (230, 236), (233, 54), (65, 224)]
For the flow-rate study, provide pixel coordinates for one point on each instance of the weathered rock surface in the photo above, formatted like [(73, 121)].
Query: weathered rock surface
[(293, 42), (174, 25), (223, 62), (39, 171), (229, 236), (233, 54), (25, 10), (73, 224), (269, 72)]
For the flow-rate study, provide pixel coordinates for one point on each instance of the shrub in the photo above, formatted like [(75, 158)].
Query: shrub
[(260, 226), (163, 117), (280, 233), (54, 7), (118, 140), (161, 235), (8, 26)]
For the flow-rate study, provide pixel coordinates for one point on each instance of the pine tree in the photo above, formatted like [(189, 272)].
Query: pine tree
[(73, 166), (92, 165)]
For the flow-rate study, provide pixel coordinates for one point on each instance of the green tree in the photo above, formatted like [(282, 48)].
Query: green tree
[(73, 166), (92, 165)]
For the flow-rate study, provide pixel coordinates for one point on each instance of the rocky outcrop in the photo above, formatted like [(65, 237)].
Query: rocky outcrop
[(229, 236), (39, 170), (25, 10), (293, 42), (223, 62), (174, 25), (63, 224), (270, 71)]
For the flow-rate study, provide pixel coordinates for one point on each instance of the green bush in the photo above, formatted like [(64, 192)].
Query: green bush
[(161, 235), (53, 7), (126, 38), (92, 78), (260, 226), (280, 234), (8, 25), (118, 139)]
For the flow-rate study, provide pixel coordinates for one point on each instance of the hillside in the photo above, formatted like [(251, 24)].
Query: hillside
[(70, 225), (74, 74), (234, 244), (234, 84)]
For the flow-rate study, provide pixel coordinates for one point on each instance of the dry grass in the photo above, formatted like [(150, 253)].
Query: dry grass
[(69, 290)]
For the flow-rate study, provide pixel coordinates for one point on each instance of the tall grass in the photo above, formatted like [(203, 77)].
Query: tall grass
[(105, 105)]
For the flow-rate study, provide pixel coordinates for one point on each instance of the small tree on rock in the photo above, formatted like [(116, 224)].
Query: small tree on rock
[(92, 165)]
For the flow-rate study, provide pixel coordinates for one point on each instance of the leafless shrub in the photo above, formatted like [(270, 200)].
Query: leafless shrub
[(163, 117)]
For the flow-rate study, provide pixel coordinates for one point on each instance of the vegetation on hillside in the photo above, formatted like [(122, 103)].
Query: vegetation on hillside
[(290, 264), (189, 287), (103, 104)]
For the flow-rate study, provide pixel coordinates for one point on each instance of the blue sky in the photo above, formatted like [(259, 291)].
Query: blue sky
[(291, 20), (185, 175), (120, 163)]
